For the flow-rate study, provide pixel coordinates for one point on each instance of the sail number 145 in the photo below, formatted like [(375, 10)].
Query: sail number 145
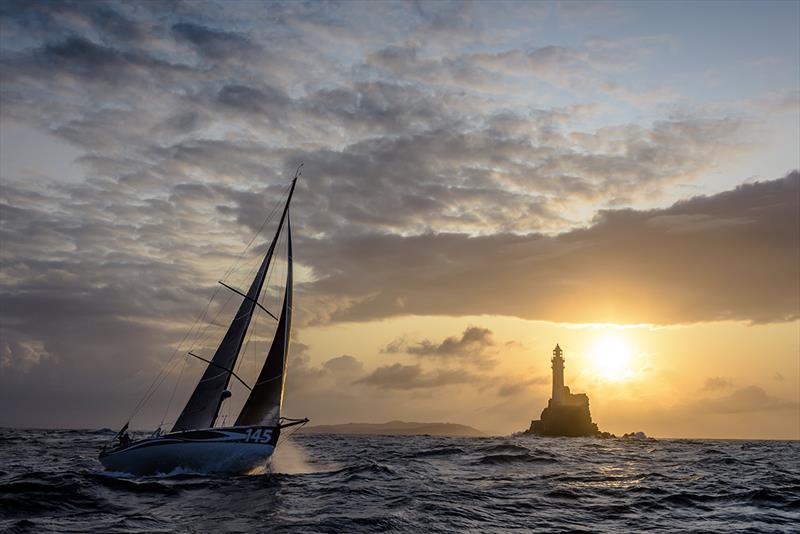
[(258, 435)]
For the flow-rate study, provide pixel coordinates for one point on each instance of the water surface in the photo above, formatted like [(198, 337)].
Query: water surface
[(50, 481)]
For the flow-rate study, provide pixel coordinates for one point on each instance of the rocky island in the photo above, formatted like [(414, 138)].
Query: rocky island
[(567, 414)]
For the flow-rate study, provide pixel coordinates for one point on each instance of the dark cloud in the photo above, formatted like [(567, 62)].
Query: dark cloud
[(344, 365), (253, 100), (472, 344), (213, 43), (77, 59), (715, 383), (730, 256), (399, 376), (49, 19)]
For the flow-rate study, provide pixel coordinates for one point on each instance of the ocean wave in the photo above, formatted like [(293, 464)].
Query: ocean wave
[(23, 526), (785, 498), (105, 431), (688, 500), (134, 486), (564, 494), (364, 469), (509, 448), (438, 451), (24, 497), (499, 459)]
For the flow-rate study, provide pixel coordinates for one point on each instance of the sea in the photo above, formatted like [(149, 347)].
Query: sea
[(50, 481)]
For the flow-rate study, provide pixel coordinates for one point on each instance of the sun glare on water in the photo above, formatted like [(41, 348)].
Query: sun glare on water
[(611, 359)]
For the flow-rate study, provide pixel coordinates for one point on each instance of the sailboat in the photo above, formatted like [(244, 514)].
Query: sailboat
[(194, 443)]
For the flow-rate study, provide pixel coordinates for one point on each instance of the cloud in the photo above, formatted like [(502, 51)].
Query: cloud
[(78, 62), (580, 70), (729, 256), (51, 19), (213, 43), (399, 376), (24, 356), (387, 154), (344, 365), (744, 400), (715, 383), (513, 388), (253, 100), (472, 344), (572, 12), (304, 377)]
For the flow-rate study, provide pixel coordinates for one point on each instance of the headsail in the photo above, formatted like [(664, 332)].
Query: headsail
[(203, 406), (263, 406)]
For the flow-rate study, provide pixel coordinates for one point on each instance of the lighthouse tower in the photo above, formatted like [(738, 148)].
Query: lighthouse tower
[(558, 375), (567, 413)]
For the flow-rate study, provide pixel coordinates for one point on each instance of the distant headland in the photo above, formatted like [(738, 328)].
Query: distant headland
[(567, 414), (397, 428)]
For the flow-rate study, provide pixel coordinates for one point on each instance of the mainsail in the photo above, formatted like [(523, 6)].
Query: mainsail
[(203, 406), (263, 406)]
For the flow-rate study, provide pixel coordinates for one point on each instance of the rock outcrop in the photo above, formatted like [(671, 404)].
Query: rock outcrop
[(571, 420)]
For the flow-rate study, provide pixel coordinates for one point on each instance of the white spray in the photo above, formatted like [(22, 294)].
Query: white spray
[(291, 458)]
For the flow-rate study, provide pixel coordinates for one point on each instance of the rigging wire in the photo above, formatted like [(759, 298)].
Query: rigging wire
[(285, 438), (205, 334), (174, 389), (255, 349), (278, 203), (251, 335)]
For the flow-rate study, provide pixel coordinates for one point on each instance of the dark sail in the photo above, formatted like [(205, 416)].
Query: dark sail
[(263, 406), (203, 406)]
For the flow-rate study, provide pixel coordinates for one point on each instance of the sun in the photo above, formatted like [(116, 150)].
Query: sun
[(611, 359)]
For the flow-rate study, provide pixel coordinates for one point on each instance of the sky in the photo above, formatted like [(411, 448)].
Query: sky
[(481, 181)]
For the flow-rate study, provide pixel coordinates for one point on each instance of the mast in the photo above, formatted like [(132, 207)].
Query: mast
[(263, 406), (203, 406)]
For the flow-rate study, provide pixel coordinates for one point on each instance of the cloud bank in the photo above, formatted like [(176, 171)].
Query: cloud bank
[(730, 256)]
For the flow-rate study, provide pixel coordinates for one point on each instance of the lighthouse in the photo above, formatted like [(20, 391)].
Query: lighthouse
[(558, 375), (567, 414)]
